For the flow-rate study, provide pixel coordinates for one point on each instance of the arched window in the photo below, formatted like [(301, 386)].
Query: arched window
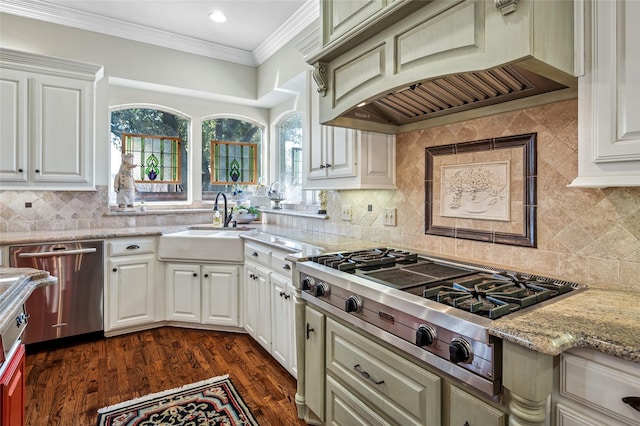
[(158, 141), (289, 142), (231, 155)]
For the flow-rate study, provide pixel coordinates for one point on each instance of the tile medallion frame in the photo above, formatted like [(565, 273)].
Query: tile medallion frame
[(483, 190)]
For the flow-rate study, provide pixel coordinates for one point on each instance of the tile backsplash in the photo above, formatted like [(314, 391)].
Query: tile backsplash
[(70, 210), (585, 235)]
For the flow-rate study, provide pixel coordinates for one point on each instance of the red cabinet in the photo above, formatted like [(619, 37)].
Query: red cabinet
[(12, 388)]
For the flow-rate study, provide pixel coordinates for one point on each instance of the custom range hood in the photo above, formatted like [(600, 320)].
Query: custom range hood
[(412, 64)]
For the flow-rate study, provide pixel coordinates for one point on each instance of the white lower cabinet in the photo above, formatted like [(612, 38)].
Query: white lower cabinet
[(269, 303), (591, 387), (202, 293), (131, 288)]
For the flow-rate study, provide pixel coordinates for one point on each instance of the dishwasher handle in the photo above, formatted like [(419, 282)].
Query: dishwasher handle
[(57, 253)]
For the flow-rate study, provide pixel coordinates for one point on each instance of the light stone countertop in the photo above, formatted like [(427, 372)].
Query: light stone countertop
[(603, 318), (16, 285)]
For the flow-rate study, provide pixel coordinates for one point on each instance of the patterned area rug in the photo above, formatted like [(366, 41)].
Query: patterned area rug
[(209, 402)]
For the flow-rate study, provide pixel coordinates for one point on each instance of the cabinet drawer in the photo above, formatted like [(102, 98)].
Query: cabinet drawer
[(280, 265), (344, 408), (399, 389), (600, 382), (468, 410), (131, 246), (257, 254)]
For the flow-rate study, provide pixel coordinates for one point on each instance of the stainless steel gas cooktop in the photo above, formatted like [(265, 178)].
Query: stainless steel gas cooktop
[(435, 309)]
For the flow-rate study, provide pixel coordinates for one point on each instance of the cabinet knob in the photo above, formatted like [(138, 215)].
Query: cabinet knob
[(327, 165), (115, 269), (633, 401), (206, 275), (20, 170), (287, 296), (254, 254), (322, 166), (195, 274), (282, 294), (37, 170), (286, 266)]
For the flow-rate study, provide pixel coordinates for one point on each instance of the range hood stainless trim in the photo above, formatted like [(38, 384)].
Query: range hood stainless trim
[(453, 93)]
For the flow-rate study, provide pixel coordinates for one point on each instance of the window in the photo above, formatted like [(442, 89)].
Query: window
[(290, 156), (230, 139), (159, 142)]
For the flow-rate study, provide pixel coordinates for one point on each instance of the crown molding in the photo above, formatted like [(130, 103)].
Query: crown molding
[(293, 26), (62, 15), (31, 62)]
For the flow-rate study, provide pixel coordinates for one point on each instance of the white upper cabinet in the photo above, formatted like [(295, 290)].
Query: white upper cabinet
[(341, 158), (609, 94), (47, 121)]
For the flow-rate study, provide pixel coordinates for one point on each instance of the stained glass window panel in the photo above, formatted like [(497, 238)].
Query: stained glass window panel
[(233, 163), (157, 158)]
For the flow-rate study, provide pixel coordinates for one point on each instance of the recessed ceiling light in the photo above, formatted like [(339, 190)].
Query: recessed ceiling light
[(217, 16), (361, 104)]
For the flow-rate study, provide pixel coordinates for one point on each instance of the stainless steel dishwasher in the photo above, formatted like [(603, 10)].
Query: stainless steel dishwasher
[(74, 305)]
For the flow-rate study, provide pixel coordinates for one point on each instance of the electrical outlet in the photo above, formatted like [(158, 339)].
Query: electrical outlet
[(346, 212), (389, 217)]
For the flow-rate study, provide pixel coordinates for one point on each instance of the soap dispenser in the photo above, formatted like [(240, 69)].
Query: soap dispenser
[(217, 219)]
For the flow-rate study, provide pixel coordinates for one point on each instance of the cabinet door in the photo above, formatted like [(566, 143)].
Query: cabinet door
[(263, 308), (281, 319), (468, 410), (131, 291), (12, 384), (291, 306), (220, 294), (62, 130), (314, 367), (609, 106), (341, 152), (13, 126), (250, 299), (378, 160), (183, 292)]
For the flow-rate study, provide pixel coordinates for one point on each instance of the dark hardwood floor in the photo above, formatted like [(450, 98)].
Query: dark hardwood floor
[(68, 383)]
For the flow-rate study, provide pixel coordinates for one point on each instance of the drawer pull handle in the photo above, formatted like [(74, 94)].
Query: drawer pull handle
[(309, 330), (285, 266), (367, 375), (254, 254), (633, 401), (133, 247)]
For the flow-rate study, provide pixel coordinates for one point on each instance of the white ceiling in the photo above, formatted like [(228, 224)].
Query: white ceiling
[(255, 29)]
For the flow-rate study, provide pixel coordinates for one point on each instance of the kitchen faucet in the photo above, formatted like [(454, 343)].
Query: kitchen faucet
[(227, 216)]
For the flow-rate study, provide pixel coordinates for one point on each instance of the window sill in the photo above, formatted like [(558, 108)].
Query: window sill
[(288, 212), (136, 212)]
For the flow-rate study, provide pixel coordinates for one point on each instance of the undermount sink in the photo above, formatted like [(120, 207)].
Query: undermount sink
[(209, 245)]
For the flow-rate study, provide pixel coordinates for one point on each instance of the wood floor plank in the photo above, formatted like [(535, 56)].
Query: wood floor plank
[(68, 382)]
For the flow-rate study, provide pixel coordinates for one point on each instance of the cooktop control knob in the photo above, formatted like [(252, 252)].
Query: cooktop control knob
[(460, 350), (425, 335), (307, 283), (353, 304), (321, 289)]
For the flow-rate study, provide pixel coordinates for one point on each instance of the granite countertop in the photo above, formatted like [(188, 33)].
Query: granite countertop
[(603, 318), (16, 285)]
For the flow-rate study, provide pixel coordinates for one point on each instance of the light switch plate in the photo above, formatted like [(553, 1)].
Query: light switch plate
[(389, 217), (346, 212)]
